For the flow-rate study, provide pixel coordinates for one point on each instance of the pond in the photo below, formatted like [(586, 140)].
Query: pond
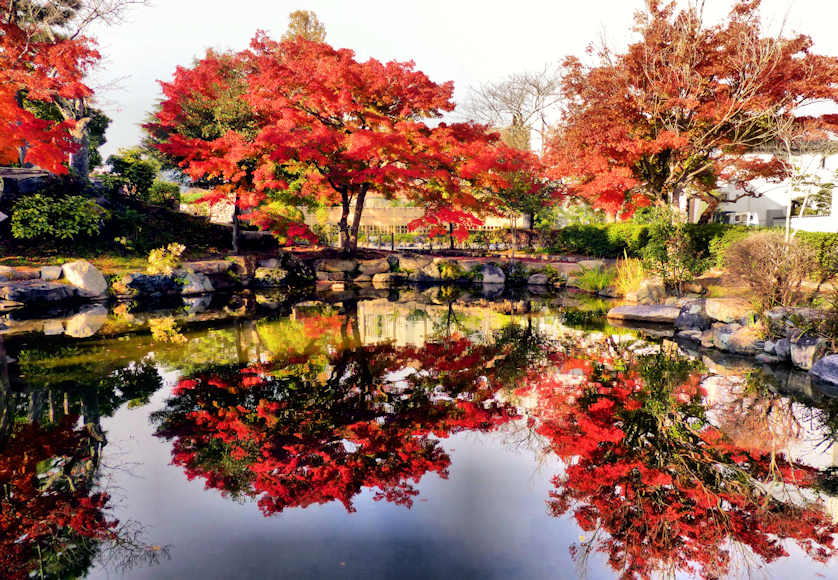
[(421, 434)]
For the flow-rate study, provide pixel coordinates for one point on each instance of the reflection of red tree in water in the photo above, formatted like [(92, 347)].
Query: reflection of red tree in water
[(660, 489), (47, 507), (292, 440)]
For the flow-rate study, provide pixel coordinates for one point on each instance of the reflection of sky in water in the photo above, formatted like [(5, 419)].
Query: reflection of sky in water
[(487, 520)]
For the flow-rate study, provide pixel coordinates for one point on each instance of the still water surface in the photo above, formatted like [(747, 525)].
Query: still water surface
[(422, 435)]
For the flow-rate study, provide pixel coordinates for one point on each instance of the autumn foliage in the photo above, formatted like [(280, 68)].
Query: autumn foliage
[(36, 67), (658, 489), (314, 124), (682, 108)]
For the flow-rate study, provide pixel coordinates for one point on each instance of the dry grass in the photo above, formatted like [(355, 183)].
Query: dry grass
[(630, 274)]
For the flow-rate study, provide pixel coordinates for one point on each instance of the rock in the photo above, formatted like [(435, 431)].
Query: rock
[(208, 266), (411, 263), (650, 291), (657, 314), (707, 338), (727, 309), (609, 292), (37, 293), (197, 304), (268, 277), (50, 273), (826, 369), (691, 334), (84, 276), (53, 327), (766, 358), (194, 283), (336, 265), (492, 275), (538, 280), (6, 273), (339, 286), (694, 288), (137, 284), (331, 276), (372, 267), (591, 265), (387, 279), (745, 341), (782, 349), (769, 347), (806, 350), (86, 323), (692, 316), (269, 263)]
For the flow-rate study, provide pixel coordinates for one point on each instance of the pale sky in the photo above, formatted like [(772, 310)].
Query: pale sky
[(467, 41)]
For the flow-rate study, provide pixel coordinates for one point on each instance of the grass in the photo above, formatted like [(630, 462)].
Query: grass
[(595, 279), (630, 274)]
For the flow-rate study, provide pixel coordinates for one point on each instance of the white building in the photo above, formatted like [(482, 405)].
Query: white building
[(821, 163)]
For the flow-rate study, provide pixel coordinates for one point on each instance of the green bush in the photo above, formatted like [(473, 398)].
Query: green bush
[(164, 193), (64, 218), (722, 239), (137, 174), (672, 253)]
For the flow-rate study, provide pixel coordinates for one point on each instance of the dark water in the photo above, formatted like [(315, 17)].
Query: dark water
[(423, 435)]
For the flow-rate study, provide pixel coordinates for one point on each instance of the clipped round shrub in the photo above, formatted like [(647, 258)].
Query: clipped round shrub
[(40, 216)]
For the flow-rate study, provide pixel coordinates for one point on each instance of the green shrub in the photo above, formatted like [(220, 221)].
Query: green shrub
[(165, 260), (137, 174), (164, 193), (64, 218), (671, 252), (825, 248), (723, 238)]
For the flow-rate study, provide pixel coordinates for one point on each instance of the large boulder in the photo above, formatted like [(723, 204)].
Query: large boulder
[(826, 370), (387, 279), (50, 273), (692, 316), (655, 314), (151, 285), (745, 341), (372, 267), (336, 265), (650, 291), (492, 275), (208, 266), (86, 323), (84, 276), (782, 349), (538, 280), (193, 283), (727, 309), (807, 349), (37, 293)]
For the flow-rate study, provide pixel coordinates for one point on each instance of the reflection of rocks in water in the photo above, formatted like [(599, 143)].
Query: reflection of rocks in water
[(197, 304), (87, 322)]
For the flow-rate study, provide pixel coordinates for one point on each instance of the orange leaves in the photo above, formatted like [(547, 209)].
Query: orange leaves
[(679, 110)]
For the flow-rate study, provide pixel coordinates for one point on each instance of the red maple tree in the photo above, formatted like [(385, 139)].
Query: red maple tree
[(681, 110), (38, 67), (314, 123)]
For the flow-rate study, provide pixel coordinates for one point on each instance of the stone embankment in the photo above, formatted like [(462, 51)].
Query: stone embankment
[(80, 282), (730, 325)]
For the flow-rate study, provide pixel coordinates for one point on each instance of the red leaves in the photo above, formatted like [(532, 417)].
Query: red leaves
[(39, 70), (345, 126)]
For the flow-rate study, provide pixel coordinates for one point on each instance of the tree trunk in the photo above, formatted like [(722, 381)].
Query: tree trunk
[(80, 159), (708, 212), (451, 235), (235, 224), (349, 232)]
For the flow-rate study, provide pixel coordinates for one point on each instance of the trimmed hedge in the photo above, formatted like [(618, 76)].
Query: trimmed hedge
[(711, 241)]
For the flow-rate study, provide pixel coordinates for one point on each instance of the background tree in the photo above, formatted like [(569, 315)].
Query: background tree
[(681, 111), (520, 105), (305, 24)]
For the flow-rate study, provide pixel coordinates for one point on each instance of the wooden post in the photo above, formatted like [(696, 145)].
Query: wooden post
[(393, 239)]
